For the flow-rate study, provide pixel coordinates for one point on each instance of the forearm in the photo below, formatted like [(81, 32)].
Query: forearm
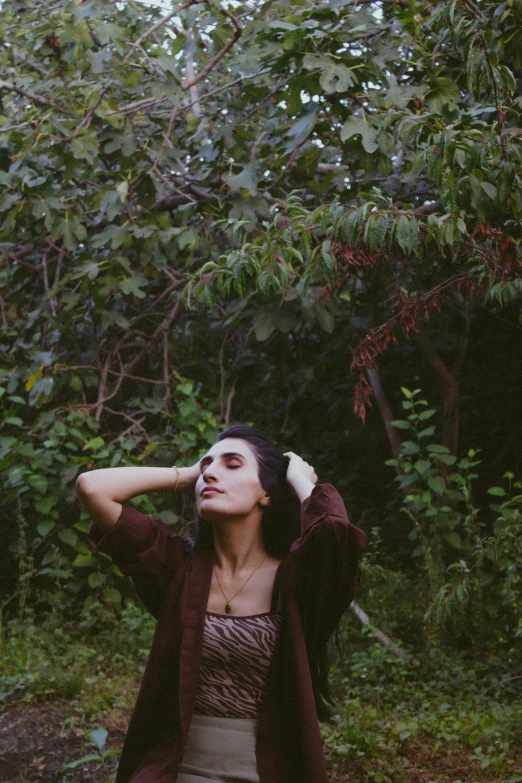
[(121, 484), (302, 487)]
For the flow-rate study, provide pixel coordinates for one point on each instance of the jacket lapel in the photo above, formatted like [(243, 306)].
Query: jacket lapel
[(194, 601)]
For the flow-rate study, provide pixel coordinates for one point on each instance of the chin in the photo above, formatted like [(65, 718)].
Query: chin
[(215, 514)]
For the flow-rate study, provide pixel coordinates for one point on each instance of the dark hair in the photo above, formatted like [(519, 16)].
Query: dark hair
[(280, 525)]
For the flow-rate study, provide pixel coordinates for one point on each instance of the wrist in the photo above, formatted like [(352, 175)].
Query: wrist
[(302, 487), (185, 478)]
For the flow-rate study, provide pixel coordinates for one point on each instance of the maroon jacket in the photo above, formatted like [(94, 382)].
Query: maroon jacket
[(316, 580)]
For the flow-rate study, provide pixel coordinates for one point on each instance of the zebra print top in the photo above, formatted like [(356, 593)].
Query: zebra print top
[(236, 656)]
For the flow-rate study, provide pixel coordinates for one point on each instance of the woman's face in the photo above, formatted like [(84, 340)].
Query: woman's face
[(228, 486)]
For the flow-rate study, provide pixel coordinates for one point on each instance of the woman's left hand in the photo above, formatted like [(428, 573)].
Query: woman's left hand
[(300, 475)]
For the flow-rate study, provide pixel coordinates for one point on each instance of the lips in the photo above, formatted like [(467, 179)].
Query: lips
[(210, 491)]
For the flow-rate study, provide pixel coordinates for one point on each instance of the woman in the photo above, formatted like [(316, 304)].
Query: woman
[(237, 677)]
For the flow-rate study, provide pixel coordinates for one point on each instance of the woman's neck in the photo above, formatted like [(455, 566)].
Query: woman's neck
[(238, 546)]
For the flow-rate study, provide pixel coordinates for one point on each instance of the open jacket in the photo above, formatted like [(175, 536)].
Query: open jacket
[(315, 584)]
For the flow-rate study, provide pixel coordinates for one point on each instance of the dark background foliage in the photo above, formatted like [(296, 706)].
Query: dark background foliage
[(279, 214)]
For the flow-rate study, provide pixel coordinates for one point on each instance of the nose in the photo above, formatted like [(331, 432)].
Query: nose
[(209, 474)]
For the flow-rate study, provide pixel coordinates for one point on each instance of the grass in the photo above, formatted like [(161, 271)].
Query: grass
[(456, 716), (438, 716)]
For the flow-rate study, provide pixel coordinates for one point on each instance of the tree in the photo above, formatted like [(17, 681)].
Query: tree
[(207, 202)]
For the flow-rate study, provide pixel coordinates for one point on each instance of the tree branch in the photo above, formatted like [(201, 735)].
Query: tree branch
[(144, 103), (31, 96), (386, 413), (210, 65), (450, 392), (88, 115), (158, 24), (365, 620)]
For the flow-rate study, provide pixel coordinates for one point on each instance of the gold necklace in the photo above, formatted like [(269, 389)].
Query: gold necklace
[(227, 605)]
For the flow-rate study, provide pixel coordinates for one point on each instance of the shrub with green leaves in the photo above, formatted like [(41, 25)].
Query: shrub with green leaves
[(477, 596)]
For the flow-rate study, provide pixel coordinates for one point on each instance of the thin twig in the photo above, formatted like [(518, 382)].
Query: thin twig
[(381, 636), (89, 114), (61, 255), (500, 110), (222, 378), (156, 26), (144, 103), (210, 93), (214, 60), (5, 129), (172, 120), (31, 96), (502, 682), (35, 66), (46, 284), (102, 390), (135, 423), (166, 374)]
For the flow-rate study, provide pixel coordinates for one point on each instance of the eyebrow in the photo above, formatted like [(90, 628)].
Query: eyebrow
[(226, 455)]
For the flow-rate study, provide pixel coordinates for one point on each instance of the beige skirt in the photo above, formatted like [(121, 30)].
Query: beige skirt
[(220, 750)]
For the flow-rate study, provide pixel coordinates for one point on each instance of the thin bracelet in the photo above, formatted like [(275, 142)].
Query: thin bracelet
[(177, 478)]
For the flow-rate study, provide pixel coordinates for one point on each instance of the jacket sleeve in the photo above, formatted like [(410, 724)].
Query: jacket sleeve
[(144, 549), (326, 564)]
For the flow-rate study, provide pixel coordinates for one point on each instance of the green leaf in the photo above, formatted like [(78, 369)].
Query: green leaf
[(246, 180), (409, 480), (422, 465), (375, 231), (45, 504), (38, 482), (401, 424), (335, 77), (17, 399), (85, 147), (14, 421), (83, 561), (427, 414), (84, 760), (302, 129), (427, 432), (7, 200), (99, 737), (409, 447), (69, 537), (325, 317), (497, 491), (437, 484), (279, 25), (442, 90), (45, 527), (94, 444), (489, 189), (407, 233), (265, 322), (123, 190), (447, 459), (134, 285), (358, 125), (453, 539)]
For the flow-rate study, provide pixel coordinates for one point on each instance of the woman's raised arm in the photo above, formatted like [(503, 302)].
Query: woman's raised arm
[(104, 490)]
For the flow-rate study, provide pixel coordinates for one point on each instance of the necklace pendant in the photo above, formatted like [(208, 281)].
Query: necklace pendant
[(227, 608)]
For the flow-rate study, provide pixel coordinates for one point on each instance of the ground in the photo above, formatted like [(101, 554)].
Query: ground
[(38, 738)]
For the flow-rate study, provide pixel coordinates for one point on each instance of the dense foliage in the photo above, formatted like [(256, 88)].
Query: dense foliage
[(212, 213)]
